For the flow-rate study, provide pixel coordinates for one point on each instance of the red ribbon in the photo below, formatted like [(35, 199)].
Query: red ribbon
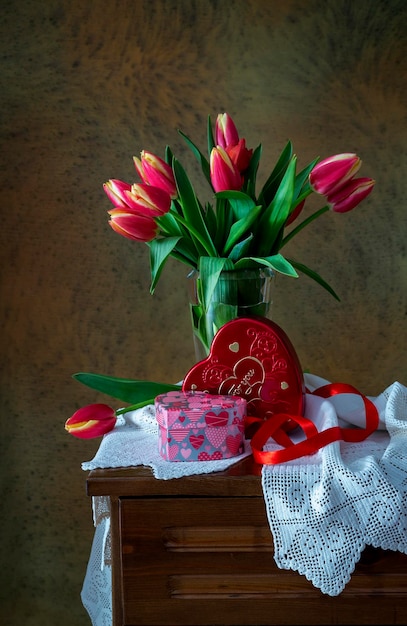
[(315, 440)]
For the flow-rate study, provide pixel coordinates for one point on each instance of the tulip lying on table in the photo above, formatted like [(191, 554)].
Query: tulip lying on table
[(93, 420)]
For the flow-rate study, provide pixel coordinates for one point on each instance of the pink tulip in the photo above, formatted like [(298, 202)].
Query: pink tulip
[(138, 198), (227, 137), (240, 155), (115, 191), (332, 173), (133, 225), (135, 209), (224, 173), (350, 195), (91, 421), (148, 200), (155, 171), (225, 131)]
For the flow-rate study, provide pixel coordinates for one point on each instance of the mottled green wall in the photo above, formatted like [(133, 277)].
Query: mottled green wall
[(85, 86)]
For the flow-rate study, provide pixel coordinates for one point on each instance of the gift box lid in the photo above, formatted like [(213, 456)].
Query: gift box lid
[(252, 358), (190, 409)]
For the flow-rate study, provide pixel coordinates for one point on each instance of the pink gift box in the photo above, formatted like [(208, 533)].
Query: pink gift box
[(196, 426)]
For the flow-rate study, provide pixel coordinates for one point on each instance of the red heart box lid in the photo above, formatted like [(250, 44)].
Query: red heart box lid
[(253, 358)]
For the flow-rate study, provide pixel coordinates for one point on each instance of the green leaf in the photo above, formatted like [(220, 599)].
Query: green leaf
[(251, 173), (306, 270), (168, 224), (222, 222), (160, 250), (241, 249), (271, 185), (209, 272), (277, 262), (211, 141), (202, 160), (240, 227), (186, 249), (131, 391), (275, 216), (183, 259), (211, 221), (192, 211), (168, 156), (302, 177), (240, 202)]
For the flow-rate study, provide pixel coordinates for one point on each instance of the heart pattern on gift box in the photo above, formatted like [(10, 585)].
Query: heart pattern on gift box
[(216, 436), (173, 451), (200, 423), (213, 419), (205, 456), (196, 441), (179, 434), (234, 444)]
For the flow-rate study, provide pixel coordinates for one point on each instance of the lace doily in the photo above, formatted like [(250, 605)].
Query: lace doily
[(325, 508), (96, 593)]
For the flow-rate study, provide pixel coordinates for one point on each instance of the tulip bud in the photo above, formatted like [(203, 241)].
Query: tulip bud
[(148, 200), (350, 195), (133, 225), (225, 131), (293, 216), (224, 173), (240, 155), (91, 421), (155, 171), (332, 173), (115, 191)]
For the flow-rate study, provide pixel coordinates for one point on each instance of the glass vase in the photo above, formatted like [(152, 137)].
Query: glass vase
[(238, 293)]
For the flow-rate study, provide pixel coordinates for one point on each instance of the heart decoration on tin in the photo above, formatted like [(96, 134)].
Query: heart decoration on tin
[(253, 358)]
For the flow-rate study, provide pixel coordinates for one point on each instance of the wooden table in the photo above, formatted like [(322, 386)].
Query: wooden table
[(198, 551)]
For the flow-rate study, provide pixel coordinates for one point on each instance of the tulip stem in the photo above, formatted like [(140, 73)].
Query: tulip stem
[(134, 407), (307, 221)]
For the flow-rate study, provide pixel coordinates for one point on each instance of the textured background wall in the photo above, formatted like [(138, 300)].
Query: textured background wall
[(85, 86)]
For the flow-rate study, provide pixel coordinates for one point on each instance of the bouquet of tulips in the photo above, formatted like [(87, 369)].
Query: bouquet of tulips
[(240, 229)]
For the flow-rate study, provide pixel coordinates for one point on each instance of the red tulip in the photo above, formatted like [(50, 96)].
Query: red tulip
[(350, 195), (133, 225), (240, 155), (115, 191), (225, 131), (91, 421), (224, 173), (148, 200), (333, 172), (155, 171), (138, 198), (135, 209), (227, 137), (295, 213)]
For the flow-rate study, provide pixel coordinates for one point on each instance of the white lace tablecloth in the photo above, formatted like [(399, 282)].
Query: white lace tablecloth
[(322, 509)]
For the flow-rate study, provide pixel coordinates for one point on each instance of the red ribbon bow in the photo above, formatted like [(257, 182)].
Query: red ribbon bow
[(314, 439)]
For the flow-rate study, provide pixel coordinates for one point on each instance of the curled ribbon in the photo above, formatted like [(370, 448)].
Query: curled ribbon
[(314, 439)]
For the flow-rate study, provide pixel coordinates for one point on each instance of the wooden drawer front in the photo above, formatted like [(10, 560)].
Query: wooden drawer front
[(209, 561)]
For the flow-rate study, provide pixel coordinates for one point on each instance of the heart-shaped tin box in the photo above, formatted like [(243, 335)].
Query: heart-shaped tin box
[(255, 359)]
